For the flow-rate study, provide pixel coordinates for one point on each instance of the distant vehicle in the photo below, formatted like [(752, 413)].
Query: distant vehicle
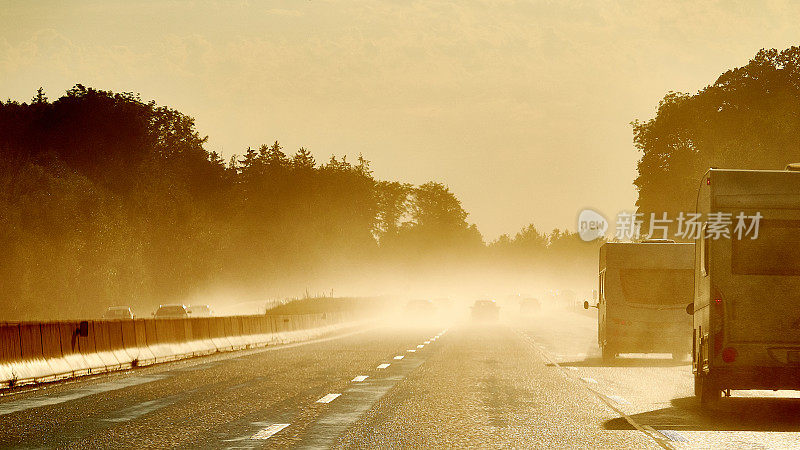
[(171, 312), (485, 310), (420, 308), (643, 289), (746, 307), (118, 312), (200, 311), (528, 306)]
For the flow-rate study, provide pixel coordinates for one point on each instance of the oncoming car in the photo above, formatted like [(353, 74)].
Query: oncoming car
[(200, 311), (118, 312), (171, 312)]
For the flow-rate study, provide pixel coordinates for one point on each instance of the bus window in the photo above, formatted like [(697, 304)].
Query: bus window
[(776, 250)]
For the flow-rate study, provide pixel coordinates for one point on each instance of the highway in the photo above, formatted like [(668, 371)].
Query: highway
[(536, 382)]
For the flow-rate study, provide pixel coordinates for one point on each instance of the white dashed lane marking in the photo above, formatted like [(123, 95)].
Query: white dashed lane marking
[(420, 346), (398, 357), (589, 380), (411, 351), (269, 431), (328, 398), (427, 342), (383, 366), (360, 378)]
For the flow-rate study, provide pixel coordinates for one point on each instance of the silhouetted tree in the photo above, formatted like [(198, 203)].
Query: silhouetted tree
[(749, 118), (303, 159)]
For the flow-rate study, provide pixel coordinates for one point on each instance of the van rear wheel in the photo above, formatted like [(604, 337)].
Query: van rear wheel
[(607, 354), (707, 389)]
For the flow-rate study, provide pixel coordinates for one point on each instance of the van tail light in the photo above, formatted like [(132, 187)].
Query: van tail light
[(716, 297), (729, 355)]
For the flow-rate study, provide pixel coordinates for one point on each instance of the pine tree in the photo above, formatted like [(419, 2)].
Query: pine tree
[(40, 97), (275, 157), (303, 159), (249, 161)]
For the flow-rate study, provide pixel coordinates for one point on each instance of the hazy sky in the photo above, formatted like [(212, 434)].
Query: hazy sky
[(522, 108)]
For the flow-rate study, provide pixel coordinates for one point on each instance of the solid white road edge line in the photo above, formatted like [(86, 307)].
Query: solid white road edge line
[(647, 430)]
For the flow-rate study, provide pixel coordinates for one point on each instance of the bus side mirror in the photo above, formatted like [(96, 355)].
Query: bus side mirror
[(594, 294), (585, 304), (690, 309)]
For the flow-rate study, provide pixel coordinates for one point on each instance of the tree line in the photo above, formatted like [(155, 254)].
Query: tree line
[(108, 199), (749, 118)]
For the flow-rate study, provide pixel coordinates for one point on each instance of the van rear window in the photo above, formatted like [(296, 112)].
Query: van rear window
[(657, 286), (776, 250)]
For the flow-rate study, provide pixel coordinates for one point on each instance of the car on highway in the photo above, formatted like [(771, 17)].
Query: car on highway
[(118, 312), (485, 310), (643, 288), (172, 311), (746, 308), (200, 311)]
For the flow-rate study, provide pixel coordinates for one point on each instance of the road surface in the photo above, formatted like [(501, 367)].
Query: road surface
[(535, 383)]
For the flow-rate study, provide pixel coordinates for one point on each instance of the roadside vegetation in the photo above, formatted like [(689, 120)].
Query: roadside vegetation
[(107, 199)]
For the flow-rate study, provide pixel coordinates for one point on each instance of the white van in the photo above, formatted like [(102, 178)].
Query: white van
[(746, 305), (643, 289)]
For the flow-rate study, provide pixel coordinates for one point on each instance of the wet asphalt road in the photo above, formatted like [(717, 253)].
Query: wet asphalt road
[(536, 383)]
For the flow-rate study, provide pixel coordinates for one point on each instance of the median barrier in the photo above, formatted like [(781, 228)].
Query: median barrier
[(218, 334), (160, 348), (53, 352), (201, 336), (99, 330), (233, 330), (82, 362), (45, 351), (138, 348), (10, 351), (116, 341), (171, 338), (33, 366)]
